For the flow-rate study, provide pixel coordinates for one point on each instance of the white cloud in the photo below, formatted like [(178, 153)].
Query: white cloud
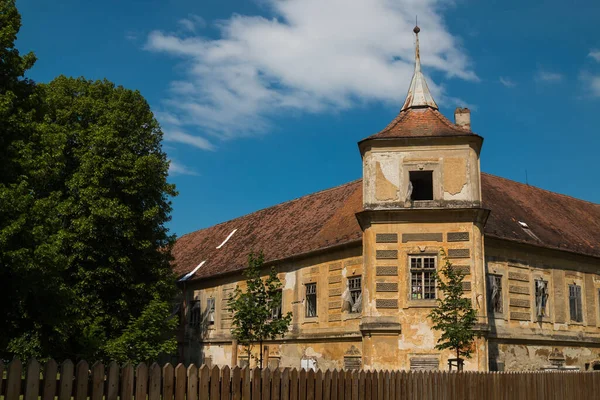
[(174, 135), (314, 56), (175, 168), (591, 83), (595, 54), (507, 82), (192, 22), (547, 76)]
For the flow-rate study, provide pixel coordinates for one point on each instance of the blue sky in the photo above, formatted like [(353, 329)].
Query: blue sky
[(264, 101)]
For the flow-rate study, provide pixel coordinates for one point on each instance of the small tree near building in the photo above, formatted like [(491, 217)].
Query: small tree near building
[(454, 314), (256, 311)]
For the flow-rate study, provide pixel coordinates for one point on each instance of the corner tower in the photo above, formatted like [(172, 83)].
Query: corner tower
[(421, 195)]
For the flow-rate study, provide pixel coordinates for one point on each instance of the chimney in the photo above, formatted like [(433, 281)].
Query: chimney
[(462, 118)]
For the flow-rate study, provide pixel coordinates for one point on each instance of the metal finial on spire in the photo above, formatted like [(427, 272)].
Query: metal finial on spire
[(418, 92)]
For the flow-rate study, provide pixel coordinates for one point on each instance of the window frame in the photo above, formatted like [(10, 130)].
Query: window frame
[(277, 312), (355, 291), (313, 295), (575, 295), (210, 310), (422, 270), (535, 298), (499, 277)]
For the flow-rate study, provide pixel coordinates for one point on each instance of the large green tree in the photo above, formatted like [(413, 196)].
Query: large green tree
[(454, 315), (84, 198), (255, 309), (104, 168)]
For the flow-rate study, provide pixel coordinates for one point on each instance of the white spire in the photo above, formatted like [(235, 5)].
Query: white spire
[(418, 92)]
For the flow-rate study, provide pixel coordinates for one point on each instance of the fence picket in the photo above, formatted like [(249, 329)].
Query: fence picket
[(225, 383), (276, 384), (319, 385), (13, 382), (127, 382), (168, 384), (180, 384), (32, 384), (66, 380), (154, 383), (204, 385), (294, 384), (236, 383), (285, 384), (192, 383), (50, 373), (215, 384), (361, 385), (310, 385), (302, 384), (265, 384), (141, 381), (81, 381), (327, 385)]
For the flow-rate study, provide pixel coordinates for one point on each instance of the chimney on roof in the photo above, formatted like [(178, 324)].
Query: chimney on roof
[(462, 118)]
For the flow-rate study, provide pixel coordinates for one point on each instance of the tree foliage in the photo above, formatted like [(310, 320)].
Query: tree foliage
[(84, 198), (252, 309), (454, 314)]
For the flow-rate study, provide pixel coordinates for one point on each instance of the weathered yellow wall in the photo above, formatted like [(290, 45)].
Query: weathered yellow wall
[(517, 332)]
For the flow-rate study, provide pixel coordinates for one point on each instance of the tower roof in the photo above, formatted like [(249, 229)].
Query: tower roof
[(418, 91), (419, 116)]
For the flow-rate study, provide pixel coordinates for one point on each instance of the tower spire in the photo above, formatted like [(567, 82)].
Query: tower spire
[(418, 92)]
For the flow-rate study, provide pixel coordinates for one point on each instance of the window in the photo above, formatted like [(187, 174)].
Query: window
[(194, 315), (541, 298), (422, 185), (495, 293), (210, 310), (422, 277), (311, 299), (575, 303), (276, 310), (355, 291)]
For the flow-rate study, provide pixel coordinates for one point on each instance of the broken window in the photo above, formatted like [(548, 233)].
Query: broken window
[(422, 185), (210, 310), (352, 296), (194, 315), (311, 299), (541, 297), (422, 277), (276, 309), (495, 293), (575, 303)]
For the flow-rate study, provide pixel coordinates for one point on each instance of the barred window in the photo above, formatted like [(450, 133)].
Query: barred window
[(194, 315), (575, 303), (422, 277), (495, 293), (210, 310), (311, 299), (355, 288)]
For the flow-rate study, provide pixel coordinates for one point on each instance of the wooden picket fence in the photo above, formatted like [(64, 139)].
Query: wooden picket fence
[(80, 382)]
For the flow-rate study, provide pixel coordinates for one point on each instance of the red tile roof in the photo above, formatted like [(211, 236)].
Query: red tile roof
[(327, 218), (419, 122)]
